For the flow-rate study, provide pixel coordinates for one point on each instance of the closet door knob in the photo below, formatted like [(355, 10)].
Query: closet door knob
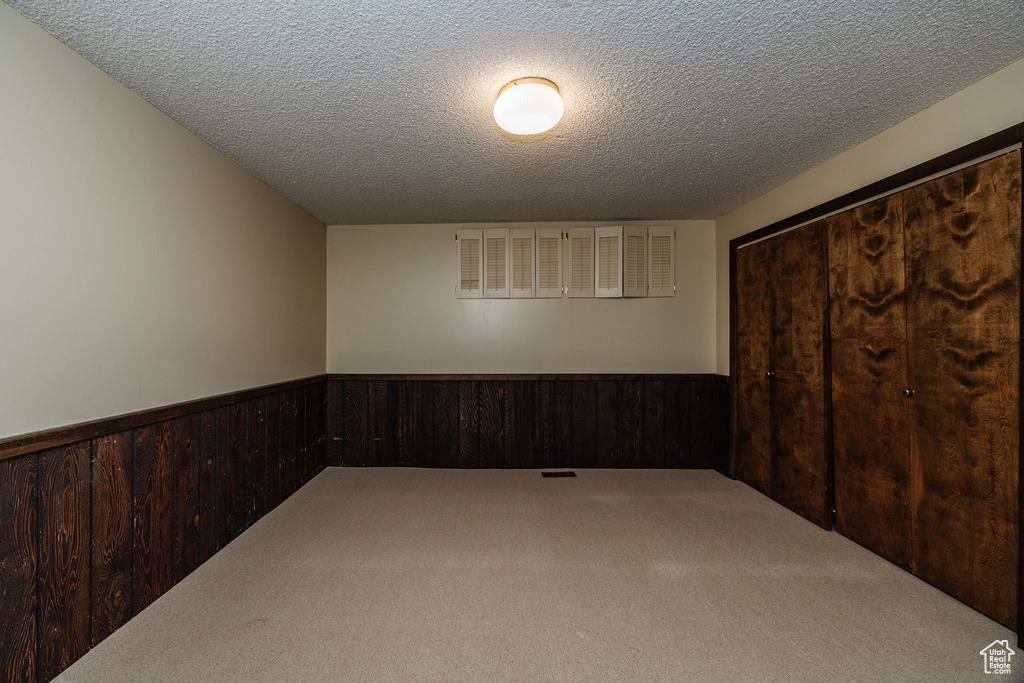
[(769, 374), (908, 392)]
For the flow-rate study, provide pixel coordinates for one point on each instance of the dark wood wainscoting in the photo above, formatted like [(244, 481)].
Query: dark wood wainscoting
[(528, 421), (99, 520)]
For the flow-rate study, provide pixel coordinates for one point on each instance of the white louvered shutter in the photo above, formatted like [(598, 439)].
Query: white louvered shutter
[(609, 261), (496, 263), (580, 261), (469, 263), (549, 263), (661, 261), (634, 261), (523, 280)]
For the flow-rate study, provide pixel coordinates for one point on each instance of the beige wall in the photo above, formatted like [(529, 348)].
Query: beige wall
[(392, 309), (988, 106), (138, 266)]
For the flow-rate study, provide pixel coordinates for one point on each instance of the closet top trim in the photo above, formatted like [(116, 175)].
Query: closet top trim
[(994, 145)]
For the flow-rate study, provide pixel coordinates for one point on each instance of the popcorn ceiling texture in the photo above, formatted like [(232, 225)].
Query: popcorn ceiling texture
[(379, 111)]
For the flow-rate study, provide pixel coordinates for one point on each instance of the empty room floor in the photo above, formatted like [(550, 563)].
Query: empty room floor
[(418, 575)]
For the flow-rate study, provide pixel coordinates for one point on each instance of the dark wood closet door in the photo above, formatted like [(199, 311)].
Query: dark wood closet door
[(868, 325), (750, 375), (800, 474), (963, 270)]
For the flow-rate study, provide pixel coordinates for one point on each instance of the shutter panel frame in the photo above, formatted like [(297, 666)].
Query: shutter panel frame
[(608, 262), (497, 261), (661, 261), (469, 263), (579, 258), (523, 271), (548, 270), (635, 260)]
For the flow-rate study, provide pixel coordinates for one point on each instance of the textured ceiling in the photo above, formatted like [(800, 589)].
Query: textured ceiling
[(379, 111)]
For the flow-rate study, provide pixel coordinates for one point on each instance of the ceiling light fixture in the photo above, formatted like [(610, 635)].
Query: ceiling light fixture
[(528, 106)]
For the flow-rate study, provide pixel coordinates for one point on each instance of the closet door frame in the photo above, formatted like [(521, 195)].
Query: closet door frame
[(963, 156)]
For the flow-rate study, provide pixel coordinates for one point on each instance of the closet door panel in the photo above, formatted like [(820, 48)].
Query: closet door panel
[(800, 467), (963, 267), (753, 416), (868, 324)]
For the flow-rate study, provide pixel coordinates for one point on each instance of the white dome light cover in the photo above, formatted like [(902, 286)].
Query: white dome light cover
[(528, 106)]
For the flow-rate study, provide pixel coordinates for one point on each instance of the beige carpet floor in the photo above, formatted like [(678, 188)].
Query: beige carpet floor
[(437, 575)]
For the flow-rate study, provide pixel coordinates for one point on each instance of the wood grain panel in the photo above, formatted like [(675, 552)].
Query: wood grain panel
[(719, 426), (316, 425), (112, 534), (153, 505), (301, 445), (702, 413), (654, 424), (469, 424), (800, 467), (630, 427), (423, 424), (510, 430), (492, 424), (289, 414), (400, 417), (678, 445), (19, 538), (256, 470), (607, 440), (64, 562), (870, 415), (584, 424), (541, 423), (407, 455), (752, 452), (963, 290), (561, 423), (355, 435), (208, 485), (273, 475), (378, 423), (543, 456), (524, 423), (237, 463), (335, 423), (446, 424), (187, 492), (223, 494)]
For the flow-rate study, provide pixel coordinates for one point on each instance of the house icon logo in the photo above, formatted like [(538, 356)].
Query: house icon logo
[(997, 657)]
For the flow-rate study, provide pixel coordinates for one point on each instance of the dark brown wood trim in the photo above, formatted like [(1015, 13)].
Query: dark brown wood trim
[(14, 446), (992, 143), (733, 398), (826, 368), (1020, 452), (692, 377)]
